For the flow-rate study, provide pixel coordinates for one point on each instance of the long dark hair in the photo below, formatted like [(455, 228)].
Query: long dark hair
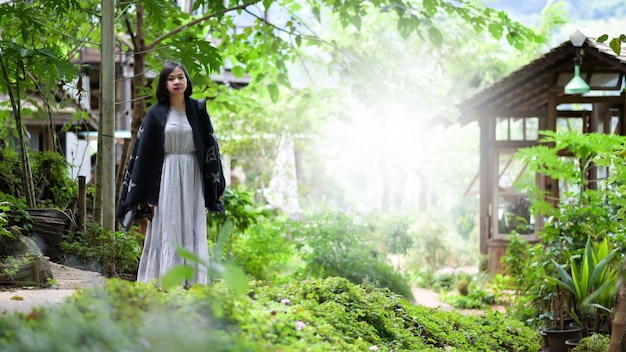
[(161, 91)]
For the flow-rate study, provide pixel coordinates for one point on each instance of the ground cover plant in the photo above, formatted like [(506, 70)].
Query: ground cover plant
[(329, 314)]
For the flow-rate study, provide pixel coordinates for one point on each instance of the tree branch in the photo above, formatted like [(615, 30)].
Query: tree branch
[(193, 23)]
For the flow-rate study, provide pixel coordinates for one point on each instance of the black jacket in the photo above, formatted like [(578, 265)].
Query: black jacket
[(143, 176)]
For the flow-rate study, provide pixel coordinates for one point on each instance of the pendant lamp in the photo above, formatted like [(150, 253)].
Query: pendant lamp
[(577, 84)]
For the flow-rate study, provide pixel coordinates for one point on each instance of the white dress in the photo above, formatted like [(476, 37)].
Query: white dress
[(180, 217)]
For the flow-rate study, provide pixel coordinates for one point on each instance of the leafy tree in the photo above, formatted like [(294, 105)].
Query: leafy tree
[(33, 58), (152, 31), (261, 51)]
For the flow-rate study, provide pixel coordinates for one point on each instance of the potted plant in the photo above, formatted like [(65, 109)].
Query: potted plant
[(560, 331), (576, 207), (589, 283)]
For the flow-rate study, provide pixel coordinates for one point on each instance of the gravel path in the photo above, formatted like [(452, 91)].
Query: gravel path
[(67, 280)]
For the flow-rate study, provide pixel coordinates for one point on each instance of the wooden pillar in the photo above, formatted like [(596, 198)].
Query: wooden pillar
[(484, 208)]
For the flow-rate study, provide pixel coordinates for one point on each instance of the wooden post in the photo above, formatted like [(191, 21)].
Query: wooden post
[(82, 204), (36, 273)]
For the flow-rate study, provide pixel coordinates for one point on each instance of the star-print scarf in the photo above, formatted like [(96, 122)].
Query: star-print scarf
[(142, 179)]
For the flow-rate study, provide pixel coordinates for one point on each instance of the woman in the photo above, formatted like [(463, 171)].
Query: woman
[(166, 176)]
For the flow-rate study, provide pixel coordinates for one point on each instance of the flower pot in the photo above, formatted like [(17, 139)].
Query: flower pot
[(556, 337), (571, 343)]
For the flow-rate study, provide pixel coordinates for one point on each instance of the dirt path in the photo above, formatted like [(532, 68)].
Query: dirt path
[(66, 281), (430, 299)]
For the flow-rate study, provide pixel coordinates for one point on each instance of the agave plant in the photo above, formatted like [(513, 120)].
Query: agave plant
[(592, 282)]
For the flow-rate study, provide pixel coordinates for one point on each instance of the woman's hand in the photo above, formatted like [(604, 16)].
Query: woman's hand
[(150, 210)]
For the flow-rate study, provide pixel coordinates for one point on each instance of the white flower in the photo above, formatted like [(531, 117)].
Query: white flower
[(300, 325)]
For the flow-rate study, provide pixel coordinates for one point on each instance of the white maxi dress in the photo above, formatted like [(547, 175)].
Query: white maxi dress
[(180, 217)]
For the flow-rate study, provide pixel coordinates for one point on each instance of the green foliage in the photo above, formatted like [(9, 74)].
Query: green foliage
[(589, 209), (232, 275), (396, 234), (4, 220), (463, 290), (431, 247), (16, 214), (525, 267), (241, 210), (312, 315), (266, 250), (97, 247), (11, 265), (34, 57), (52, 179), (592, 282), (10, 183), (593, 343), (336, 244), (251, 236), (615, 43), (475, 299)]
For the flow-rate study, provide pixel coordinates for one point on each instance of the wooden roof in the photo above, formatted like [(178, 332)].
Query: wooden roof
[(525, 92), (62, 115)]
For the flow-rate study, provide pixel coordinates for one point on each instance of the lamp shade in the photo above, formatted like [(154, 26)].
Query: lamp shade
[(577, 85)]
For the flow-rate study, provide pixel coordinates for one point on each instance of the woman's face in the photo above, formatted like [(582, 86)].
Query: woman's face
[(176, 82)]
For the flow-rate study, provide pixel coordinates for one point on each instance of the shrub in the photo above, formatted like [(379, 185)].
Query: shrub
[(53, 185), (337, 245), (95, 248), (308, 315), (264, 250)]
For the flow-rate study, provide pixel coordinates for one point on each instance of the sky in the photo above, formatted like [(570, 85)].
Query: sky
[(591, 17)]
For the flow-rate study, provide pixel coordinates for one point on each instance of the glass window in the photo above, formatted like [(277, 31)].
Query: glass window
[(614, 124), (502, 129), (517, 129), (512, 201), (569, 124), (604, 80), (34, 141), (564, 78), (532, 129)]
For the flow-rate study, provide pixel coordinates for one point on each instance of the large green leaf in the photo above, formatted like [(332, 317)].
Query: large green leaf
[(591, 277)]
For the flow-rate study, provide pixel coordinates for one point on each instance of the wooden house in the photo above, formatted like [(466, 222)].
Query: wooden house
[(512, 112)]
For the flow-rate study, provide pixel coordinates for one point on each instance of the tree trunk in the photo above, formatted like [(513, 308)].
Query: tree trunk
[(618, 331), (29, 187)]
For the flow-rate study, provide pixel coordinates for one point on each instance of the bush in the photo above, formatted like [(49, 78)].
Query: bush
[(309, 315), (338, 245), (53, 186), (95, 248), (264, 250)]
